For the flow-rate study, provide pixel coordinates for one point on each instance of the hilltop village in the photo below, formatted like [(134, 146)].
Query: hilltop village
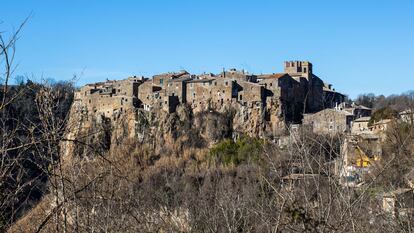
[(279, 99), (292, 100)]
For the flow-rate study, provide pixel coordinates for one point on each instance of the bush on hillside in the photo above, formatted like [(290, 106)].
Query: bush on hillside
[(244, 150)]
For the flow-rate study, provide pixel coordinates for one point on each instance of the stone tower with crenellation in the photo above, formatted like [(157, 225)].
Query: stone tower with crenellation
[(299, 69)]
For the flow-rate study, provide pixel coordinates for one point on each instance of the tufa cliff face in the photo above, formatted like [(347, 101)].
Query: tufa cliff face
[(164, 132)]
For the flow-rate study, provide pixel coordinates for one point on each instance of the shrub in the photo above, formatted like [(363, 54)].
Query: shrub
[(244, 150)]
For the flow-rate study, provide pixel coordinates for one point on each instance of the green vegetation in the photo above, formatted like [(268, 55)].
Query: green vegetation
[(244, 150)]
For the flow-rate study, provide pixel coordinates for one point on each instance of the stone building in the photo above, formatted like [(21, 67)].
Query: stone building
[(360, 125), (310, 84), (357, 110), (110, 97), (329, 121), (380, 127), (331, 97)]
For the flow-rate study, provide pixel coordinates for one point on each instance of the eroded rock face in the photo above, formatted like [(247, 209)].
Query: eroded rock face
[(87, 132)]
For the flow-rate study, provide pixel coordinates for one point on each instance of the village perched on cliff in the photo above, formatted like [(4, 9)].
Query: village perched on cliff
[(281, 99), (272, 106)]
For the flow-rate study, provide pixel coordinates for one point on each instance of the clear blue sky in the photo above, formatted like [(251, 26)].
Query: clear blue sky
[(360, 46)]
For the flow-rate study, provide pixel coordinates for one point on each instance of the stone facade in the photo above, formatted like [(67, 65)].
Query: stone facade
[(110, 97), (329, 121), (360, 125)]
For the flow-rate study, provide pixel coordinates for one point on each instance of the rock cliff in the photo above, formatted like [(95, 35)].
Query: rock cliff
[(162, 131)]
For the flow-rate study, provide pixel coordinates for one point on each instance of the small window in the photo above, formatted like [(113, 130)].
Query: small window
[(161, 81), (304, 69), (227, 83), (241, 97), (271, 84), (215, 83)]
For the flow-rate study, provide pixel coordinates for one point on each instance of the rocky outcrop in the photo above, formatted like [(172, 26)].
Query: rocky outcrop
[(161, 130)]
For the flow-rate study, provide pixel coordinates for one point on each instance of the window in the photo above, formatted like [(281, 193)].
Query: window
[(304, 69), (271, 84), (215, 83), (227, 83), (241, 97), (161, 81)]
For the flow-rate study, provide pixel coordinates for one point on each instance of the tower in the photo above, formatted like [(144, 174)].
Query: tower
[(299, 69)]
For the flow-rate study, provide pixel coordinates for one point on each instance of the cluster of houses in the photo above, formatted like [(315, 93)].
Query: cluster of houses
[(280, 98)]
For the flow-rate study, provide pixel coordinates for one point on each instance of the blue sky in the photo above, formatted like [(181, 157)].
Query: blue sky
[(360, 46)]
